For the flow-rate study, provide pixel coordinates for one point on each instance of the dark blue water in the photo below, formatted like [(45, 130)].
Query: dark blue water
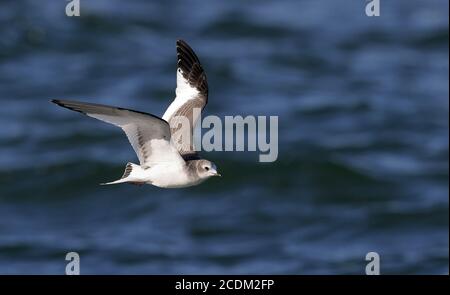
[(364, 119)]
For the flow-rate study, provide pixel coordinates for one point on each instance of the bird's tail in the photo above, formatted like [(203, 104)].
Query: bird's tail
[(131, 174)]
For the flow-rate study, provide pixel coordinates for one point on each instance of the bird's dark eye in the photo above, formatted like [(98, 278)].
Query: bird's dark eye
[(206, 168)]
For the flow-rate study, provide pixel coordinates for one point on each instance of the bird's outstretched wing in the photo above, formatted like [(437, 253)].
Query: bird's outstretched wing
[(148, 134), (191, 98)]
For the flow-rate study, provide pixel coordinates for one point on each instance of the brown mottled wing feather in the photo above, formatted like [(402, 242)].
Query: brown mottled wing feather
[(191, 98)]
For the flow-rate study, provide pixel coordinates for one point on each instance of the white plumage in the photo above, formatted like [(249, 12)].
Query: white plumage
[(164, 159)]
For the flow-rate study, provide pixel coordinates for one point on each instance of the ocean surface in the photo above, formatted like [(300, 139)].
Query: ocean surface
[(363, 159)]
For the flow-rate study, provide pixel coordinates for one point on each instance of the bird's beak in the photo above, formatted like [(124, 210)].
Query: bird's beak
[(217, 174)]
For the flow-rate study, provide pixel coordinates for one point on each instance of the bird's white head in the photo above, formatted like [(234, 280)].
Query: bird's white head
[(206, 169)]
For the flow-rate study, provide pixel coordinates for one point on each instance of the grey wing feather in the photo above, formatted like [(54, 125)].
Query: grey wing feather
[(149, 135)]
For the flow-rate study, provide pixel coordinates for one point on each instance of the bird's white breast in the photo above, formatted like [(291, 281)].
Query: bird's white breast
[(168, 175)]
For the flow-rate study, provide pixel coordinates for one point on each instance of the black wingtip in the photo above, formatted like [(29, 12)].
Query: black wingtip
[(190, 66), (64, 105), (183, 46), (59, 102)]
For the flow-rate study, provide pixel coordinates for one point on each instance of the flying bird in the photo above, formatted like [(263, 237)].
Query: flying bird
[(166, 159)]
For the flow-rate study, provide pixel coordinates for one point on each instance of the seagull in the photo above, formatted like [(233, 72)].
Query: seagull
[(165, 159)]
